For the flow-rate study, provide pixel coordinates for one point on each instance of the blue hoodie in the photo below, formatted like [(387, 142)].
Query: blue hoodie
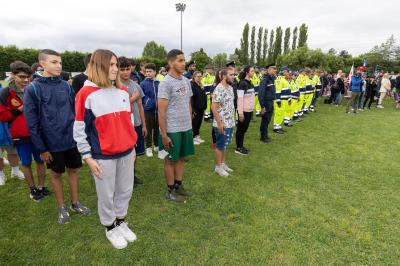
[(356, 83), (49, 105), (150, 90)]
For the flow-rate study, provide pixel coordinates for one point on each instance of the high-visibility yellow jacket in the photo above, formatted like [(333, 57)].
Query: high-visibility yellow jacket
[(160, 77), (282, 89), (208, 80)]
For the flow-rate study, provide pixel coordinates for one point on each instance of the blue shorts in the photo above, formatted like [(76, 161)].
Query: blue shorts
[(25, 153), (140, 141), (223, 140)]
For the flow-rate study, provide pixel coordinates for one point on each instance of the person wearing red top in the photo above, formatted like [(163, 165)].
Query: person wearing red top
[(12, 111), (106, 138)]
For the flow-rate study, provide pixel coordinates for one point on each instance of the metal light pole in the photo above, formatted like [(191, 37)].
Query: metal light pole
[(180, 7)]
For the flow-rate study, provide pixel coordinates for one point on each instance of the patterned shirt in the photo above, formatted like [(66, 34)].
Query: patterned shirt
[(226, 107)]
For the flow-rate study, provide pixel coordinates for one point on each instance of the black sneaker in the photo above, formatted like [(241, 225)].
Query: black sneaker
[(241, 151), (36, 195), (279, 131), (248, 151), (288, 125), (137, 181), (44, 191), (266, 140)]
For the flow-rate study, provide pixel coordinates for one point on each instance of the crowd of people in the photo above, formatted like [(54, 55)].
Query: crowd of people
[(110, 114)]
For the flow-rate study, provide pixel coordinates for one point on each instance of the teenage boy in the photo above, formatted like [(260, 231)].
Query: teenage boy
[(175, 118), (135, 94), (223, 107), (150, 90), (12, 111), (49, 104)]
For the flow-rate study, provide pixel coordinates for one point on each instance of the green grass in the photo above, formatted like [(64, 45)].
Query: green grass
[(324, 193)]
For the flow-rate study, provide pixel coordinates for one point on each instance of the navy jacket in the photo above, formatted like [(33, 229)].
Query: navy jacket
[(150, 90), (266, 90), (49, 105)]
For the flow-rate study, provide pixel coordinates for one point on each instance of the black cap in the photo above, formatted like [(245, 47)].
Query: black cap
[(192, 63), (231, 64), (270, 65)]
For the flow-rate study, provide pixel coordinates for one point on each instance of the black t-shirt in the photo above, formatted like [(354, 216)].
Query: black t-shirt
[(78, 81)]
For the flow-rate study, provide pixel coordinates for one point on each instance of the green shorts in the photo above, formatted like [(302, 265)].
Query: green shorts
[(182, 145)]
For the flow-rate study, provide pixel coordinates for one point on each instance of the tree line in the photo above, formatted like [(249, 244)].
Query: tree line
[(266, 50), (289, 48)]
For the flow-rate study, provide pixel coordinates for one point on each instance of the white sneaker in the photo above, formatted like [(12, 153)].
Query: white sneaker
[(126, 232), (196, 142), (221, 172), (162, 154), (116, 239), (155, 149), (17, 174), (380, 106), (360, 110), (199, 139), (6, 162), (2, 178), (226, 168), (149, 152)]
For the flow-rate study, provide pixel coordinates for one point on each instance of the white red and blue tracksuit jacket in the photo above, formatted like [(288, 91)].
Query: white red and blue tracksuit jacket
[(103, 126)]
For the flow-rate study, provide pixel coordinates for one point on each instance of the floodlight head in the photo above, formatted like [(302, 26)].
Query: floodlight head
[(180, 7)]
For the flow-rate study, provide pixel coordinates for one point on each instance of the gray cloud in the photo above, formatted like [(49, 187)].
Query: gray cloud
[(125, 26)]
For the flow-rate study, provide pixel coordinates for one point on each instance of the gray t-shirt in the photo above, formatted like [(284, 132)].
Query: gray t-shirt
[(178, 92), (133, 87)]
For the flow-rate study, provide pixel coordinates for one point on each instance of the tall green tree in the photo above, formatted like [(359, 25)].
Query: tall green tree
[(220, 60), (154, 50), (259, 46), (201, 59), (303, 35), (277, 43), (252, 45), (265, 46), (294, 42), (271, 46), (286, 43), (244, 45)]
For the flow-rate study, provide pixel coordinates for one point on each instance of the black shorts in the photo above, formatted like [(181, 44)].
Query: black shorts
[(65, 159)]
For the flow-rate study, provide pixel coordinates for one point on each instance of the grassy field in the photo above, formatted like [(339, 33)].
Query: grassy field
[(327, 192)]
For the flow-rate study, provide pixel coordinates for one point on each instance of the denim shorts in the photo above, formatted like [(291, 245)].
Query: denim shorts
[(223, 140)]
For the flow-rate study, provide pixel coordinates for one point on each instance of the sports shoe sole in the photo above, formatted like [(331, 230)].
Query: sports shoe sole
[(238, 152)]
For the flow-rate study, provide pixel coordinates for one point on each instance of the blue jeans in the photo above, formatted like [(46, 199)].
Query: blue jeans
[(337, 98), (360, 99)]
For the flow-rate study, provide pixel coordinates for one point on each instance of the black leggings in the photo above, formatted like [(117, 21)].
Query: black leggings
[(196, 121), (370, 96), (242, 128)]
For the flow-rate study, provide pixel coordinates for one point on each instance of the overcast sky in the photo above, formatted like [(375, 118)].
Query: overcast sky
[(124, 26)]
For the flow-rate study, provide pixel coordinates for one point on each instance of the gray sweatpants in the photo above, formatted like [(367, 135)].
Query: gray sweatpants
[(114, 189)]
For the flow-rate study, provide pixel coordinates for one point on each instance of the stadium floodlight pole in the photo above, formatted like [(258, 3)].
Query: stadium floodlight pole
[(180, 7)]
